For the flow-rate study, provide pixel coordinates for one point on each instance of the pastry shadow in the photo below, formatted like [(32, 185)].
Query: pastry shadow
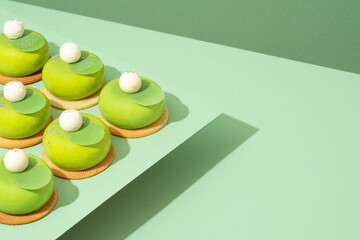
[(56, 112), (67, 192), (177, 109), (54, 48), (121, 146), (160, 185), (111, 73)]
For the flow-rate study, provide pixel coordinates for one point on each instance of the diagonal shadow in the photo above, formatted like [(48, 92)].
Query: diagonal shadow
[(67, 192), (111, 73), (54, 48), (153, 190)]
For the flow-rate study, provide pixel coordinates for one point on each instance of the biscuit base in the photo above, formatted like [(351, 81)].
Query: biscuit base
[(73, 104), (140, 132), (11, 219), (23, 142), (75, 175), (25, 80)]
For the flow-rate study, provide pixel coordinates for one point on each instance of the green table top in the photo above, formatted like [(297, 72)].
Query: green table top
[(280, 163), (188, 112)]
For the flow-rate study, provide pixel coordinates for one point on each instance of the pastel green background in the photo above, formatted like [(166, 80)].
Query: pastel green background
[(280, 163), (322, 32)]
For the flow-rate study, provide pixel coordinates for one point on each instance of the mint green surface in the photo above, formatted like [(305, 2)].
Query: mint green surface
[(281, 163), (17, 200), (189, 113), (32, 103), (29, 42), (34, 177), (88, 134), (295, 178), (87, 64), (148, 95)]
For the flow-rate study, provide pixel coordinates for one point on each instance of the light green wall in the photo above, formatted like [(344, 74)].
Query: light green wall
[(322, 32)]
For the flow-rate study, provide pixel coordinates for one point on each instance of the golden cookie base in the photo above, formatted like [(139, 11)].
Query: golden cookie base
[(75, 175), (140, 132), (23, 142), (74, 104), (11, 219), (25, 80)]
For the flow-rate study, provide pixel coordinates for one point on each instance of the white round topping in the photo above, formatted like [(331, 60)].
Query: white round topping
[(70, 52), (130, 82), (14, 91), (16, 160), (14, 29), (70, 120)]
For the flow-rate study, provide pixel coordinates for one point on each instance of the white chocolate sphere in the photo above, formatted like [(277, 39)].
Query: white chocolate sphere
[(16, 160), (70, 120), (14, 91), (70, 52), (130, 82), (13, 29)]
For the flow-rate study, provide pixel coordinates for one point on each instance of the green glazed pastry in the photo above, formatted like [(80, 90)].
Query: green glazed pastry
[(24, 118), (132, 110), (27, 191), (79, 149), (23, 56), (74, 81)]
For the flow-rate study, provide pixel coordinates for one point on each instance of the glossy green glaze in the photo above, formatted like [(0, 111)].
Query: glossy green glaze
[(16, 125), (117, 107), (88, 134), (32, 103), (148, 95), (68, 155), (64, 83), (29, 42), (35, 177), (16, 200), (15, 63), (87, 64)]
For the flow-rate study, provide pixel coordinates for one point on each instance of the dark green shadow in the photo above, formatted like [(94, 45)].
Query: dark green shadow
[(177, 110), (111, 73), (54, 48), (153, 190), (67, 192)]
